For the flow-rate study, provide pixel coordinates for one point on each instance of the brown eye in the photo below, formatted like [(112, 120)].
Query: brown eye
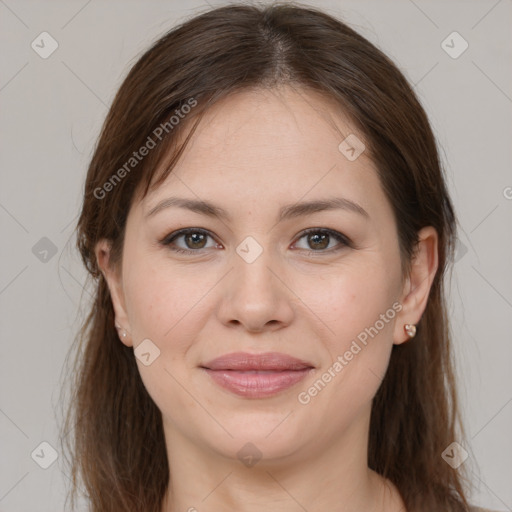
[(318, 240), (323, 240), (193, 239)]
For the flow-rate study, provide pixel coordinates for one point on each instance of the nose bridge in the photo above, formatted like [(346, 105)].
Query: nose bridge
[(253, 277), (255, 297), (256, 275)]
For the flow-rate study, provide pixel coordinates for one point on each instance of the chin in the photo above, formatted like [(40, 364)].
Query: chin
[(263, 435)]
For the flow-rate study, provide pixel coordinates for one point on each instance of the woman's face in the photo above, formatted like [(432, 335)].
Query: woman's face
[(266, 271)]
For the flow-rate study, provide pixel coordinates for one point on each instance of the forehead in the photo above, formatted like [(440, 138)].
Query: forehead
[(293, 120), (258, 145)]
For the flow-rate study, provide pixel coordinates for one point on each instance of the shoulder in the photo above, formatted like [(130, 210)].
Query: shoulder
[(479, 509)]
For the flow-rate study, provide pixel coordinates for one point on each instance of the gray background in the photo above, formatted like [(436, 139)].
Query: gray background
[(52, 110)]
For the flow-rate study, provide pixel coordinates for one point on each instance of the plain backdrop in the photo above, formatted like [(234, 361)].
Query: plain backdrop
[(51, 112)]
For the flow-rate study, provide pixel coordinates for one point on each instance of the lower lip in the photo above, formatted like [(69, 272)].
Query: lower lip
[(257, 385)]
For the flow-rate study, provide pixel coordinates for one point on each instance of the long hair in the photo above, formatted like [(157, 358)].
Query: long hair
[(113, 429)]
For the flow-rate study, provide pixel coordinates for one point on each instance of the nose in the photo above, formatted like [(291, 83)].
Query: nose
[(255, 296)]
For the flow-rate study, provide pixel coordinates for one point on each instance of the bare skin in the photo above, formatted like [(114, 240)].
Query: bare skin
[(253, 154)]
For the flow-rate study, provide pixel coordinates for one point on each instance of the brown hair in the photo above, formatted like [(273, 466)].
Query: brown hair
[(415, 413)]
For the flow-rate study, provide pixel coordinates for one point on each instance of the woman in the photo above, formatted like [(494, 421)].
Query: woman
[(268, 226)]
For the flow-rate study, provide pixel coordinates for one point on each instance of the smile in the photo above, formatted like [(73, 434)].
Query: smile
[(257, 383)]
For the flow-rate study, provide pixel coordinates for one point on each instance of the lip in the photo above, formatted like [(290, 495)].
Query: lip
[(244, 361), (257, 375)]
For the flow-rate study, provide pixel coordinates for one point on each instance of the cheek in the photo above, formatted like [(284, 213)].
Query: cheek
[(164, 305), (359, 307), (164, 302), (350, 300)]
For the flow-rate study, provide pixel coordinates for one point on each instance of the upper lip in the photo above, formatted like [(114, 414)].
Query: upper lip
[(245, 361)]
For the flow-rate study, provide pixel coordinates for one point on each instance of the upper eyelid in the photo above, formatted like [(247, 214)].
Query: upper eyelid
[(168, 239), (342, 238), (185, 231)]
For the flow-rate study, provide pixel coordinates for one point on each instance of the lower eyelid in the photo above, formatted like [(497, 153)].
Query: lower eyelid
[(170, 242), (343, 241)]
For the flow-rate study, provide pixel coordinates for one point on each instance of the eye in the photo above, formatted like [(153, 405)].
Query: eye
[(195, 239), (320, 239)]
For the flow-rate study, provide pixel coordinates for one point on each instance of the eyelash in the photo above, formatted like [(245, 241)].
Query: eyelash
[(342, 239)]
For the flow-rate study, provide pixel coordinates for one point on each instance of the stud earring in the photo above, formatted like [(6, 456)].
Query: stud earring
[(123, 332), (410, 329)]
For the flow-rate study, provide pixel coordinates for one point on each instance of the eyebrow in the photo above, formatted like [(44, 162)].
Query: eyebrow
[(285, 213)]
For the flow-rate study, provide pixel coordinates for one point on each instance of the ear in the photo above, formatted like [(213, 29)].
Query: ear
[(113, 278), (417, 286)]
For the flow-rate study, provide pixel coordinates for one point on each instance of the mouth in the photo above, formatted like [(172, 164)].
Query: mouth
[(257, 375)]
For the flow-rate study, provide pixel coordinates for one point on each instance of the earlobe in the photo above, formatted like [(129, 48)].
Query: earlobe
[(417, 285), (114, 282), (123, 335)]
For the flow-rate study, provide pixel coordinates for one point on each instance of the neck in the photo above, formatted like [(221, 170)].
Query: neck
[(337, 479)]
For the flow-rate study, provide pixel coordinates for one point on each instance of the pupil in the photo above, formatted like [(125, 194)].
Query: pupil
[(323, 239), (196, 237), (320, 240)]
